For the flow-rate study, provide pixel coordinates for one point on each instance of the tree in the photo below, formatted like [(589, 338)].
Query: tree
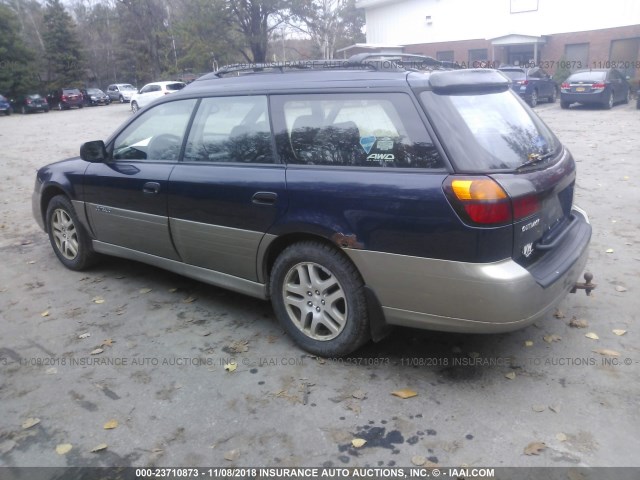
[(65, 64), (329, 23), (17, 73), (255, 20)]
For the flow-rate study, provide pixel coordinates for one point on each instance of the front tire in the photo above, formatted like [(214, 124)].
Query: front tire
[(68, 237), (318, 297), (121, 98), (134, 107)]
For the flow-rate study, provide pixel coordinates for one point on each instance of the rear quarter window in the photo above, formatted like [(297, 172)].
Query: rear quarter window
[(353, 130)]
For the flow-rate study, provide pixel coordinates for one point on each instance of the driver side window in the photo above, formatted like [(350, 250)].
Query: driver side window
[(156, 135)]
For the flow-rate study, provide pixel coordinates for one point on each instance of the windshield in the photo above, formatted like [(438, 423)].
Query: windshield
[(514, 74), (94, 91), (488, 131), (127, 87), (587, 77)]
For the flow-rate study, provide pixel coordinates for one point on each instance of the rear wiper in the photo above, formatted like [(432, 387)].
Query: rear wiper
[(534, 158)]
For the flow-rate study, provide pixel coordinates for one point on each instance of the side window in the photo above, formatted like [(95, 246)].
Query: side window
[(362, 130), (156, 135), (231, 129)]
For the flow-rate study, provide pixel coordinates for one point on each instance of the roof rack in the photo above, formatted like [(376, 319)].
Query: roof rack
[(368, 61)]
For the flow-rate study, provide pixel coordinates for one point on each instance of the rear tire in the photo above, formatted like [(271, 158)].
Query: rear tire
[(69, 240), (564, 105), (553, 97), (134, 107), (534, 98), (318, 297), (121, 98), (627, 99), (608, 104)]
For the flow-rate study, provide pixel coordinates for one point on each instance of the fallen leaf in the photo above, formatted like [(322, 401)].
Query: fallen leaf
[(607, 353), (558, 314), (45, 313), (359, 394), (84, 335), (418, 460), (110, 425), (31, 262), (189, 300), (99, 448), (551, 338), (231, 366), (63, 448), (534, 448), (619, 288), (404, 393), (619, 332), (97, 351), (528, 343), (206, 334), (144, 290), (538, 408), (561, 437), (358, 442), (592, 336), (97, 300), (555, 408), (108, 342), (354, 406), (172, 290), (51, 371), (510, 375), (578, 323), (30, 422), (119, 277), (239, 346), (609, 250), (232, 455)]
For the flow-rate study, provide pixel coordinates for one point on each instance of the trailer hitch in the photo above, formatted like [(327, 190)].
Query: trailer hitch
[(587, 286)]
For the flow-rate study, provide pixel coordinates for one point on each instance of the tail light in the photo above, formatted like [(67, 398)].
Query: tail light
[(598, 85), (482, 201), (63, 98), (28, 101), (524, 82), (565, 86)]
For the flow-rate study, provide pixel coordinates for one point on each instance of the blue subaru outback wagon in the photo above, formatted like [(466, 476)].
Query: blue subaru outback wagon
[(355, 196)]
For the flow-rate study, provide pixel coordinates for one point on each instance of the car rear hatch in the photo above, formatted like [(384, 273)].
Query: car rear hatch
[(510, 169), (587, 82)]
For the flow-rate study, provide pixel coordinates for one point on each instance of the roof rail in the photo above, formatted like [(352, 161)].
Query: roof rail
[(281, 67), (406, 61), (368, 61)]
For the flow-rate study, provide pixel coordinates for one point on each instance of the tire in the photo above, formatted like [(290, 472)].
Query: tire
[(68, 237), (608, 104), (81, 106), (534, 99), (638, 102), (60, 107), (23, 110), (627, 99), (121, 98), (303, 279), (564, 105), (553, 97), (134, 107)]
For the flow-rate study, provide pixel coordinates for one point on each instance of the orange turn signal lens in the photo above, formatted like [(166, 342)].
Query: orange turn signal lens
[(477, 189)]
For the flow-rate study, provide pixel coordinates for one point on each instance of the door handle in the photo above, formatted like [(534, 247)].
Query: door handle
[(264, 198), (151, 187)]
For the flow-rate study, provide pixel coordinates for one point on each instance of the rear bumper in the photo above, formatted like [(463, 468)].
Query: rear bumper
[(600, 97), (467, 297)]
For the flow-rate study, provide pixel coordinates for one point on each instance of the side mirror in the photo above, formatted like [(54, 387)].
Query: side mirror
[(94, 152)]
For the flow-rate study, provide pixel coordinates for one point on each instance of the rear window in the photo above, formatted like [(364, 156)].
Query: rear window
[(70, 91), (175, 86), (514, 74), (587, 77), (127, 87), (488, 131)]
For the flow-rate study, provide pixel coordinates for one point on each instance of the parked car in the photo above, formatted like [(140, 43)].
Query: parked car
[(638, 99), (604, 87), (29, 103), (151, 91), (353, 198), (95, 96), (532, 84), (5, 106), (66, 98), (121, 92)]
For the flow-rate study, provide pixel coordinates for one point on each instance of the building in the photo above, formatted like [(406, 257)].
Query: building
[(550, 33)]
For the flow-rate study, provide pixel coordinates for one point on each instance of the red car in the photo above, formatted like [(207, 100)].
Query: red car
[(66, 98)]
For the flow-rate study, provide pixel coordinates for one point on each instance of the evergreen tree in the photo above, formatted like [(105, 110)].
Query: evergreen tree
[(17, 73), (65, 65)]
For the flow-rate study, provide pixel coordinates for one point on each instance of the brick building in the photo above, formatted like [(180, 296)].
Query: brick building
[(546, 32)]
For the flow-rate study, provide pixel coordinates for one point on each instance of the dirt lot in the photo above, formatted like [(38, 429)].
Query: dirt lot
[(166, 340)]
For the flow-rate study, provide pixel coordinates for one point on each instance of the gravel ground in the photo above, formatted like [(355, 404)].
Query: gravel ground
[(166, 340)]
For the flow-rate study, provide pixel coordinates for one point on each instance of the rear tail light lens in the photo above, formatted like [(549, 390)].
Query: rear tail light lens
[(482, 201), (565, 85), (598, 85)]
